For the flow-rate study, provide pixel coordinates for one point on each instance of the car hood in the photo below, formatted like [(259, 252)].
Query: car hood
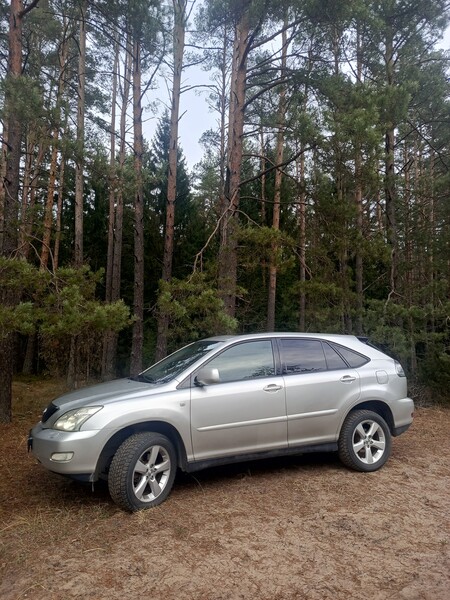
[(105, 393)]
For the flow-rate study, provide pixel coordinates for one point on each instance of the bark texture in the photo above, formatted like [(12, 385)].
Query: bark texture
[(79, 175), (281, 117), (227, 276), (179, 7), (10, 194), (138, 312)]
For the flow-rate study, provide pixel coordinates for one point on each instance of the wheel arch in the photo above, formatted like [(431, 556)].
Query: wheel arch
[(119, 437), (379, 407)]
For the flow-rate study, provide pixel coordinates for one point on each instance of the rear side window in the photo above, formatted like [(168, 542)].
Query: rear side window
[(302, 356), (352, 358), (334, 360)]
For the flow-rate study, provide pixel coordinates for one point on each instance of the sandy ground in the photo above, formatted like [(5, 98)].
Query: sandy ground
[(303, 528)]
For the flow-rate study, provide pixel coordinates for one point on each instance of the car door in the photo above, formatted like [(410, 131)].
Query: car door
[(319, 383), (245, 411)]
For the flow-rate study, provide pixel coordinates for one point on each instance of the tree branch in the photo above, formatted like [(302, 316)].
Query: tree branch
[(28, 8)]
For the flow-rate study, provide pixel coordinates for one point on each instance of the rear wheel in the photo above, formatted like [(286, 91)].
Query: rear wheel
[(142, 471), (365, 441)]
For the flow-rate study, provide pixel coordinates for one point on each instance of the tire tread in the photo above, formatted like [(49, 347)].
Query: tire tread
[(119, 470), (346, 454)]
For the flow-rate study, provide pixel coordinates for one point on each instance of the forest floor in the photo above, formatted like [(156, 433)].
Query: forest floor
[(294, 528)]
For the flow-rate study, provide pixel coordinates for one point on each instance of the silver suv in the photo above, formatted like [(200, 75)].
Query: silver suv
[(227, 399)]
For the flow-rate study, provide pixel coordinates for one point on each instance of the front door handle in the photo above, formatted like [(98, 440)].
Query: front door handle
[(273, 387), (347, 379)]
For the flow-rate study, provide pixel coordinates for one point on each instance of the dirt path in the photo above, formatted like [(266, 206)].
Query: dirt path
[(303, 528)]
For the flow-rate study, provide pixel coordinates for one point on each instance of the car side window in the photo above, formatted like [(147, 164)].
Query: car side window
[(302, 356), (249, 360), (334, 360), (352, 358)]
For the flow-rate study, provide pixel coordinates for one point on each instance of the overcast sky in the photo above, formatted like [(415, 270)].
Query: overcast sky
[(196, 115)]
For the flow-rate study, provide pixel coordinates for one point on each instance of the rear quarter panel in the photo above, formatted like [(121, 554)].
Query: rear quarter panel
[(380, 382)]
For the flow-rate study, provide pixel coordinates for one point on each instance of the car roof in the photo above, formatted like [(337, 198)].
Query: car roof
[(350, 341), (284, 334)]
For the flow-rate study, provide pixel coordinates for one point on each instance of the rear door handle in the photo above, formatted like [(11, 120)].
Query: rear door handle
[(347, 379), (273, 387)]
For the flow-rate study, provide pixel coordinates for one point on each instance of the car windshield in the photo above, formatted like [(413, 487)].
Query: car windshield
[(171, 366)]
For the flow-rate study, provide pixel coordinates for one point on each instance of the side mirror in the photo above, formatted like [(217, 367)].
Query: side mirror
[(207, 376)]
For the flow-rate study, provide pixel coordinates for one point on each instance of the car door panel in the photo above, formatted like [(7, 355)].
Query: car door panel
[(318, 384), (238, 417), (313, 401)]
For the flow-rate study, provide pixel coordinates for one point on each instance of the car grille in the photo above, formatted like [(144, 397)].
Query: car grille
[(48, 412)]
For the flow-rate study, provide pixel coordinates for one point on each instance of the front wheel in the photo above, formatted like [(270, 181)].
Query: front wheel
[(142, 471), (365, 441)]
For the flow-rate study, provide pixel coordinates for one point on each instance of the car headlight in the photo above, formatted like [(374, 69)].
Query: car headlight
[(74, 419), (399, 369)]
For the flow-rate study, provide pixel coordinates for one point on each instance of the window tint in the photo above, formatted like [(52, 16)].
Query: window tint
[(174, 364), (302, 356), (245, 361), (354, 359), (334, 360)]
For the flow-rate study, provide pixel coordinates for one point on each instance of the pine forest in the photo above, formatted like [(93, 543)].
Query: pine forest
[(321, 202)]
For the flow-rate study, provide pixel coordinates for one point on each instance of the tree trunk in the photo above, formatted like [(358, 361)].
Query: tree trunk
[(223, 113), (179, 7), (389, 180), (108, 355), (359, 207), (302, 238), (224, 70), (4, 159), (59, 207), (48, 212), (27, 219), (26, 189), (79, 167), (28, 361), (51, 190), (432, 237), (14, 127), (263, 178), (10, 202), (227, 276), (273, 268), (138, 327), (117, 257), (72, 367), (112, 175), (301, 213)]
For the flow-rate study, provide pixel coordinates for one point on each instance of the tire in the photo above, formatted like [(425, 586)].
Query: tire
[(365, 441), (142, 471)]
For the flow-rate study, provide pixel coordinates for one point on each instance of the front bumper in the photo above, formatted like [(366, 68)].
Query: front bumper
[(52, 448)]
